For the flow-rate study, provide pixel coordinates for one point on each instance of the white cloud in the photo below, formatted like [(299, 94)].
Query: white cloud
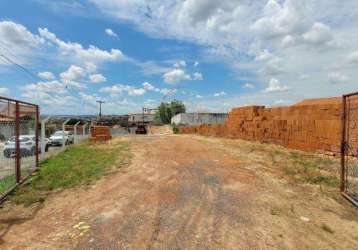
[(53, 94), (110, 32), (89, 99), (91, 54), (198, 76), (179, 64), (17, 40), (175, 76), (73, 73), (199, 96), (120, 88), (97, 78), (318, 34), (298, 35), (222, 93), (289, 41), (4, 91), (45, 87), (168, 92), (152, 68), (196, 64), (338, 77), (90, 67), (279, 19), (46, 75), (149, 87), (275, 86), (136, 92), (282, 102), (353, 57), (248, 86)]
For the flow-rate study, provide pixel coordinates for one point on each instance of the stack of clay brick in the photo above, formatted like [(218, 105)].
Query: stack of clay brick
[(313, 125), (100, 133)]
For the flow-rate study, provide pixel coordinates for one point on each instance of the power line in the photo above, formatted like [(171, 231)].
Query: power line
[(4, 46), (21, 67)]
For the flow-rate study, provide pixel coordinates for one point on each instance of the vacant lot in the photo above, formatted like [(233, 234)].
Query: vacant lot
[(190, 192)]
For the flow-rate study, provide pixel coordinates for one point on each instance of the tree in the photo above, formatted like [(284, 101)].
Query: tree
[(167, 110)]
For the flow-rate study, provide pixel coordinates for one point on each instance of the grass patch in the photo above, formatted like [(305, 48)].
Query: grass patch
[(6, 183), (313, 169), (77, 165)]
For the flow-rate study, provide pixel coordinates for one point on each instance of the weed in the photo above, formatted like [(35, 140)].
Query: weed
[(6, 183), (308, 168)]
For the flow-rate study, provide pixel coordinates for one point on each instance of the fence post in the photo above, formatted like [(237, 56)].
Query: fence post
[(63, 133), (84, 127), (43, 136), (343, 144), (37, 135), (90, 129), (75, 132), (17, 142)]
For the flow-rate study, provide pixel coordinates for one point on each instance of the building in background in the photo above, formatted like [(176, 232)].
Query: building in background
[(190, 119), (140, 118)]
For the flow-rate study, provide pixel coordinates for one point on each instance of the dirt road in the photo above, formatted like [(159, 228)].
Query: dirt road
[(183, 192)]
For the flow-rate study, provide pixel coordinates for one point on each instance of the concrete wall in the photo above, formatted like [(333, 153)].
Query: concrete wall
[(199, 118), (308, 127)]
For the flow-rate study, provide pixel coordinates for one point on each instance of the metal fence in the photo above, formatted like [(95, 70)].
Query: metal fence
[(19, 142), (25, 140), (349, 148)]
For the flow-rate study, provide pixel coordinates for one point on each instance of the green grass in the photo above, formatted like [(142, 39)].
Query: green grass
[(78, 165), (309, 168), (6, 183)]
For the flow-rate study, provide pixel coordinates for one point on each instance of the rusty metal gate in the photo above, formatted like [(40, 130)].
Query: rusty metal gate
[(19, 142), (349, 148)]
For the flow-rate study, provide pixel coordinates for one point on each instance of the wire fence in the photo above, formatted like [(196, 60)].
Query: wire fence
[(350, 147), (25, 140), (18, 142)]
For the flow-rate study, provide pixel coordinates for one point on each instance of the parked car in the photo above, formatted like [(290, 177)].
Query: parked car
[(27, 146), (141, 130), (59, 137)]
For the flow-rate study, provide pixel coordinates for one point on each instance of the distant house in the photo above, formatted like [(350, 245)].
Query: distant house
[(198, 118), (135, 119)]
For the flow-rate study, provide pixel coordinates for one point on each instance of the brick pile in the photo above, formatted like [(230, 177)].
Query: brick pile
[(312, 125), (100, 133)]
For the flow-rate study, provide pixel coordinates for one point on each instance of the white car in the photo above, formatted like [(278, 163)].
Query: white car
[(59, 137), (27, 146)]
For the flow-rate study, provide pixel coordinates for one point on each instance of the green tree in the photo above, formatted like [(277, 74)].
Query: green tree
[(167, 110)]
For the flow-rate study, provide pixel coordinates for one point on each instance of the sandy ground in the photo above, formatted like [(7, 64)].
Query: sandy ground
[(185, 192)]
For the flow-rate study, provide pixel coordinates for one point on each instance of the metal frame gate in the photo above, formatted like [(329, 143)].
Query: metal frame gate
[(19, 130), (349, 148)]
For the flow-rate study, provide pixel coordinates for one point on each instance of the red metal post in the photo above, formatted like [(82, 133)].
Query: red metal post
[(37, 135), (343, 145), (17, 143)]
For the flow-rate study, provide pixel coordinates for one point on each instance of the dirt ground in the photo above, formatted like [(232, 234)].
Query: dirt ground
[(186, 192)]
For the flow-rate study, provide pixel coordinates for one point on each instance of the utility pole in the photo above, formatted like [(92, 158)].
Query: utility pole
[(143, 110), (100, 108)]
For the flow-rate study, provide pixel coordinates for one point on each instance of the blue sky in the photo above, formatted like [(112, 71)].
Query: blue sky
[(213, 55)]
